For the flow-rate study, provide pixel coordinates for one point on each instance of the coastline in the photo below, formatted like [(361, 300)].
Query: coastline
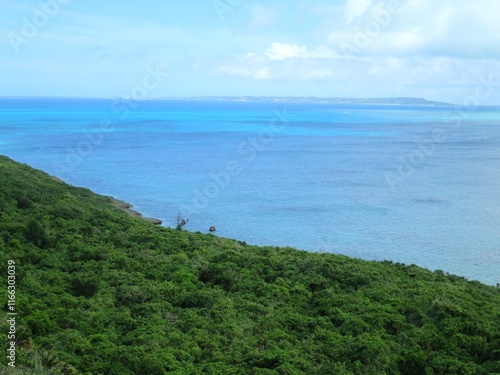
[(121, 205), (127, 207)]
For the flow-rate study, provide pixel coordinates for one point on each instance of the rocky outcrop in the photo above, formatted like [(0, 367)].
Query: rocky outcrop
[(124, 206)]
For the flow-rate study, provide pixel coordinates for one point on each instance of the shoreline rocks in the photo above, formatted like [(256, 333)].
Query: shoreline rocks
[(126, 207)]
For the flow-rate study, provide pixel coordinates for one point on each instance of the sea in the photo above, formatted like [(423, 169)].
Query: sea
[(414, 184)]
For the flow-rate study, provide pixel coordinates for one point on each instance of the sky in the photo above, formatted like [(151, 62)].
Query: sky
[(440, 50)]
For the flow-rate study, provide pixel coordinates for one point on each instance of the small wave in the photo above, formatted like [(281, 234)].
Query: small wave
[(428, 201)]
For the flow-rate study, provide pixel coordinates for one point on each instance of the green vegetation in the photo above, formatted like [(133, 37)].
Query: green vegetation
[(104, 293)]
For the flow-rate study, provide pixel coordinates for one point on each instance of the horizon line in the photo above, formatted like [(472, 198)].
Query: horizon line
[(197, 97)]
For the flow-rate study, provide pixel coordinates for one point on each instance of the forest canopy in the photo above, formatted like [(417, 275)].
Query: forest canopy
[(101, 292)]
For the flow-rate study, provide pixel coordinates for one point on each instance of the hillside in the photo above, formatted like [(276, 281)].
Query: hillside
[(101, 292)]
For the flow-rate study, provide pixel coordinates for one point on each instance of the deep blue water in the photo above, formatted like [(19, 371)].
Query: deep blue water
[(408, 184)]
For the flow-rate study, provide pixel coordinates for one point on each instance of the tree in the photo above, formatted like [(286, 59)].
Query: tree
[(181, 222), (36, 234)]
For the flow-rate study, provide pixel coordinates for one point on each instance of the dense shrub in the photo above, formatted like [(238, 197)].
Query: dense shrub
[(36, 234), (104, 293)]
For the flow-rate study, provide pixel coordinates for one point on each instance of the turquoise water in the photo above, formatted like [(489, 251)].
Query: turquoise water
[(408, 184)]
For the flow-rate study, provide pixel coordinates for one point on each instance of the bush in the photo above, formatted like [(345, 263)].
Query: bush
[(23, 202), (36, 234)]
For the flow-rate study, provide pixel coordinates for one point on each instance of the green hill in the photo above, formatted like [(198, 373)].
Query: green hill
[(101, 292)]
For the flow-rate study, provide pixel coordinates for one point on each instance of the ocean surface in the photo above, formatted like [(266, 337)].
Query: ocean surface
[(411, 184)]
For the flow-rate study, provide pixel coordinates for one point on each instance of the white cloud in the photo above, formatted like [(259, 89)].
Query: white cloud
[(280, 51), (355, 9), (418, 28), (427, 46)]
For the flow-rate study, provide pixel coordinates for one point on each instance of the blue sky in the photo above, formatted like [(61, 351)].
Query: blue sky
[(440, 50)]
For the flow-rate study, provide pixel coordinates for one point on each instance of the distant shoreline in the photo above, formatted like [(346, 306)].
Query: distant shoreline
[(122, 205), (388, 101), (126, 207)]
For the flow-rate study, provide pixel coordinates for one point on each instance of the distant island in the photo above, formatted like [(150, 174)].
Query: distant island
[(292, 99), (278, 99)]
